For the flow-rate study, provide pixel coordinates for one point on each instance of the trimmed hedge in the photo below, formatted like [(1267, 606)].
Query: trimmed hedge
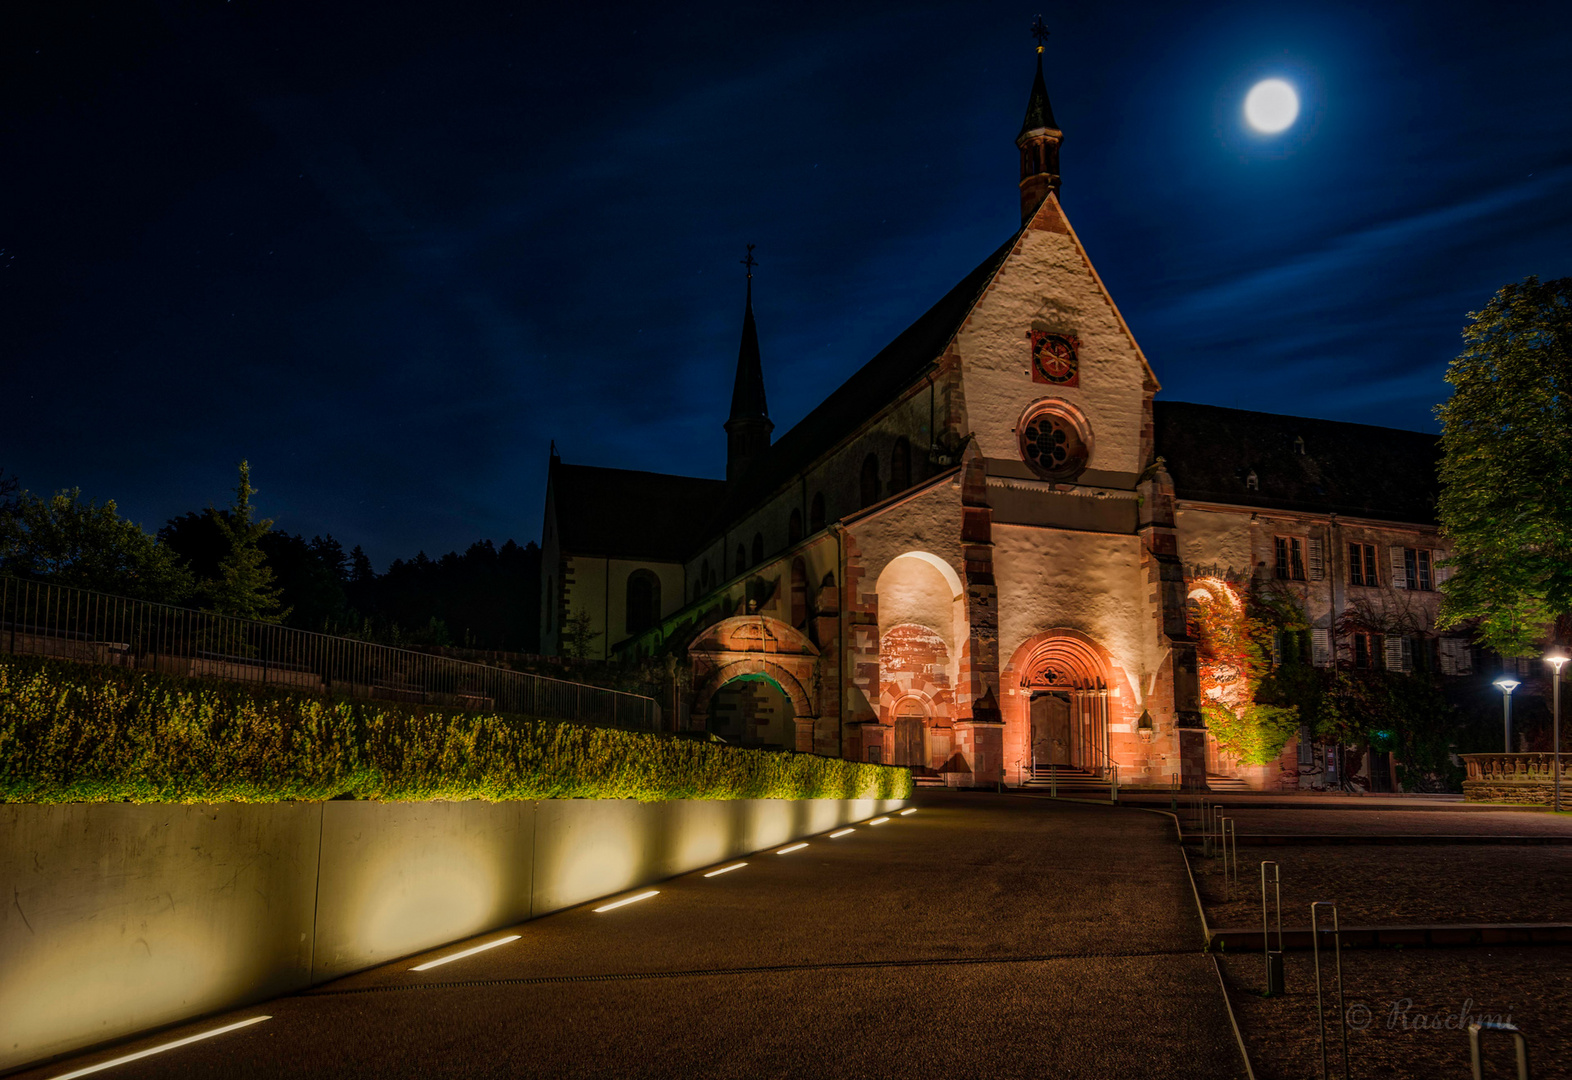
[(74, 733)]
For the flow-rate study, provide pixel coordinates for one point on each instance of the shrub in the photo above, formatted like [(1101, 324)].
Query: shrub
[(74, 733)]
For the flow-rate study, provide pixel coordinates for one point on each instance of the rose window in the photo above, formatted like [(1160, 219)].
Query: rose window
[(1053, 445)]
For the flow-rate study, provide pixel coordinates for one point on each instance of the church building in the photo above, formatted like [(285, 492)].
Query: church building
[(989, 554)]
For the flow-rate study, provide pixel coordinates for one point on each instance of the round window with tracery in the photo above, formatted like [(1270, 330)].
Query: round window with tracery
[(1053, 444)]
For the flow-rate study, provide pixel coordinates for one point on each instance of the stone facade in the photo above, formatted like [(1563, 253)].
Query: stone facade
[(973, 558)]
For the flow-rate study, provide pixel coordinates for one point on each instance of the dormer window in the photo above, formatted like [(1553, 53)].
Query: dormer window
[(1299, 444), (1252, 481)]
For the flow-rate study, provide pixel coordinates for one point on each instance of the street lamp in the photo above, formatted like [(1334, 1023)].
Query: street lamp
[(1555, 658), (1506, 685)]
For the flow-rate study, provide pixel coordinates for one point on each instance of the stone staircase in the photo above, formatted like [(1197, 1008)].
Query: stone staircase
[(1226, 783), (1072, 781)]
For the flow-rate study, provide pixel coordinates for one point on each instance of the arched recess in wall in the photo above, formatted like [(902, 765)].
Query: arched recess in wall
[(1061, 696), (643, 601), (794, 527), (869, 481), (900, 466), (742, 560), (758, 548), (920, 589), (753, 710), (816, 512), (799, 593)]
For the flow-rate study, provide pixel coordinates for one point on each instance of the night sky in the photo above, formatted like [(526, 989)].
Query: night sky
[(387, 252)]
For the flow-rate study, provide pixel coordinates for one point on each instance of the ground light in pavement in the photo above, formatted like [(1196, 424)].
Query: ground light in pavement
[(726, 869), (841, 832), (461, 955), (908, 810), (628, 900), (140, 1054), (792, 848), (878, 821)]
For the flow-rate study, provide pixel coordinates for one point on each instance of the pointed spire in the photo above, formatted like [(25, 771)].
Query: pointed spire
[(1039, 110), (1039, 138), (747, 393), (748, 430)]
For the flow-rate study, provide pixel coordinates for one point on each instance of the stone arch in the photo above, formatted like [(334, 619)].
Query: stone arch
[(918, 588), (1070, 664), (785, 681), (756, 645)]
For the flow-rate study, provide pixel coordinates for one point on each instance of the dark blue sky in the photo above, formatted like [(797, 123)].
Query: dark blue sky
[(387, 252)]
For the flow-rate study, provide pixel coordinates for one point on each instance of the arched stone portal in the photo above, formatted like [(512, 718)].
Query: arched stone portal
[(1062, 701), (767, 657)]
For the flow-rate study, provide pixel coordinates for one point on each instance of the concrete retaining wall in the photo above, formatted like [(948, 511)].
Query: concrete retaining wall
[(121, 918)]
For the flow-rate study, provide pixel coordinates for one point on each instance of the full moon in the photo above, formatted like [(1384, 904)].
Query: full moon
[(1271, 105)]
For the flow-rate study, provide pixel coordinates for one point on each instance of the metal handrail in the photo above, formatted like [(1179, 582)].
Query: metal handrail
[(62, 622)]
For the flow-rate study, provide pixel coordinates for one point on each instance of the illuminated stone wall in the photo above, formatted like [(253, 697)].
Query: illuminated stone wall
[(122, 918)]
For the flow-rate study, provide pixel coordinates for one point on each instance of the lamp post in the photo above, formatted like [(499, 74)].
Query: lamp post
[(1555, 658), (1506, 685)]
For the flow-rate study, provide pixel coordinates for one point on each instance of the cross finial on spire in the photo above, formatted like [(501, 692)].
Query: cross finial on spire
[(750, 262), (1040, 32)]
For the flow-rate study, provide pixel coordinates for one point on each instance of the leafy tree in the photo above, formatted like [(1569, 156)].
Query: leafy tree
[(577, 638), (1506, 467), (244, 586), (72, 541)]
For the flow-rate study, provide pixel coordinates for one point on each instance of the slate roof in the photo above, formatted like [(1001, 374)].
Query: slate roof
[(631, 514), (897, 366), (1352, 469)]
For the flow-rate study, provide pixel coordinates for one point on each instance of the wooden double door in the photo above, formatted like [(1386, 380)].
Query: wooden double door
[(1052, 741)]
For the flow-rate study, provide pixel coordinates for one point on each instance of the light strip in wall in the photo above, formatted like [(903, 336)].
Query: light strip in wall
[(629, 900), (878, 821), (794, 847), (140, 1054), (461, 955), (726, 869), (908, 810), (841, 832)]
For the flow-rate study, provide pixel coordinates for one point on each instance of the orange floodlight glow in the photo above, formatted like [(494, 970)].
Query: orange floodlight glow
[(726, 869), (150, 1051), (461, 955), (628, 900)]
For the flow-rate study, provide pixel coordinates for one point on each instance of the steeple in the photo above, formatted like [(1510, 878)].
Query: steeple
[(748, 430), (1039, 138)]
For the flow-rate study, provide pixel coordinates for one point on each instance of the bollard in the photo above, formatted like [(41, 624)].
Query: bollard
[(1276, 984), (1517, 1038), (1113, 785), (1230, 833), (1320, 1011), (1053, 781), (1173, 794)]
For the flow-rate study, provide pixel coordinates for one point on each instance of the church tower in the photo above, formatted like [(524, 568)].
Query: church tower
[(1039, 139), (748, 430)]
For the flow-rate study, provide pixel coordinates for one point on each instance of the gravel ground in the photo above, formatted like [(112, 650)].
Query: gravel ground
[(1427, 822), (1380, 885), (1405, 1008)]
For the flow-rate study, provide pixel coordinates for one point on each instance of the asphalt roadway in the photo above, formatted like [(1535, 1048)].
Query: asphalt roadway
[(983, 936)]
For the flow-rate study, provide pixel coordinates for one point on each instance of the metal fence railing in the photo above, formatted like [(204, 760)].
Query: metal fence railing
[(40, 619)]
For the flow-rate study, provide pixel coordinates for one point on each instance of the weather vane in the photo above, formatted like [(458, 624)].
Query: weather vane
[(1040, 32), (750, 262)]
